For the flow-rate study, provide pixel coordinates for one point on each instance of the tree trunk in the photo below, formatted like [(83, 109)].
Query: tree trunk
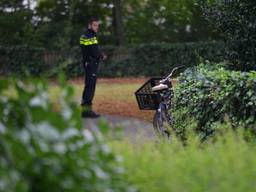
[(117, 22)]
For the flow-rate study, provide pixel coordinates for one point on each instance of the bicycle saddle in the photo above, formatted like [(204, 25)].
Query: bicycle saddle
[(159, 87)]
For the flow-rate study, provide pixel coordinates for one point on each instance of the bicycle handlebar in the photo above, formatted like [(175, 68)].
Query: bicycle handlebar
[(170, 75)]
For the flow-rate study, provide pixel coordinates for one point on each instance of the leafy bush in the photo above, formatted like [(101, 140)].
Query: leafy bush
[(22, 60), (209, 95), (228, 164), (46, 149), (236, 21)]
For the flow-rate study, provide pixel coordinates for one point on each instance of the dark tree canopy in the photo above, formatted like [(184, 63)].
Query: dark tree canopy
[(236, 21), (57, 24)]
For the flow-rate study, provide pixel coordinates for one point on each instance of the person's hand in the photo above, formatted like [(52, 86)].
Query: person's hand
[(104, 56)]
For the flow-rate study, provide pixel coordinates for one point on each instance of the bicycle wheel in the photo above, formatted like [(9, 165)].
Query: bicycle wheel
[(161, 125)]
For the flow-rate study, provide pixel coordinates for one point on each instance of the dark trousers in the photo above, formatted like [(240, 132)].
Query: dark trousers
[(91, 71)]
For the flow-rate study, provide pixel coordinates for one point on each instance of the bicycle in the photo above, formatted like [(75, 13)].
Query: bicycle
[(156, 94)]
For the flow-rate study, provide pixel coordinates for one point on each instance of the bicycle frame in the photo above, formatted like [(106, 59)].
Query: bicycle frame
[(162, 113), (165, 104)]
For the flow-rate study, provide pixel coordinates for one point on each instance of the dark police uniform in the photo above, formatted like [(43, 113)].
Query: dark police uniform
[(91, 58)]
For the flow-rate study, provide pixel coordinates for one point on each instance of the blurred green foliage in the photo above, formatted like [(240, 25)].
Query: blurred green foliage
[(227, 163), (44, 148)]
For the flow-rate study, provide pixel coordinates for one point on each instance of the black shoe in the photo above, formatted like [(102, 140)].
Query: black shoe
[(90, 114)]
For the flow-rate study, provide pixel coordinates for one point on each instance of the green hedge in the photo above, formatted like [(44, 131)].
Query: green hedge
[(142, 60), (74, 68), (21, 60), (152, 59), (213, 94), (159, 58)]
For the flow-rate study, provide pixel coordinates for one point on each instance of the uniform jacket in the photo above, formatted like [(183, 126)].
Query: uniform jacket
[(90, 47)]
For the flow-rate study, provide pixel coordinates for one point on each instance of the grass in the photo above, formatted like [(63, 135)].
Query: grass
[(228, 164), (113, 96)]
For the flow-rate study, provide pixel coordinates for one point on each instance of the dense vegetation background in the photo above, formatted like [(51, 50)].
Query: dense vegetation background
[(41, 37), (58, 24), (43, 144)]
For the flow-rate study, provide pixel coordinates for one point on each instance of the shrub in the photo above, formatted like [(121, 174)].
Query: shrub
[(210, 95), (46, 149), (228, 164)]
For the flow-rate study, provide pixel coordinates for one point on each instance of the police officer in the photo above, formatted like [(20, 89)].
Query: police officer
[(92, 55)]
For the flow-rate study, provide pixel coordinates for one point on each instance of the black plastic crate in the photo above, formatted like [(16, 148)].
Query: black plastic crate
[(146, 98)]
